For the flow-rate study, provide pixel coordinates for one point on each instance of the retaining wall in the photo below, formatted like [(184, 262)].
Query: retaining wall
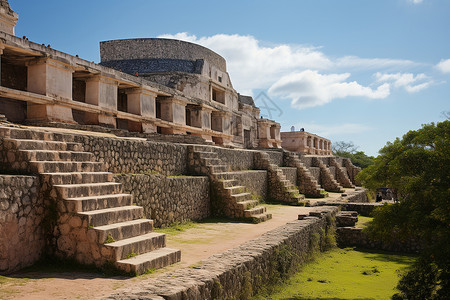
[(356, 237), (291, 174), (240, 272), (236, 160), (167, 200), (276, 157), (255, 181), (136, 155), (22, 212)]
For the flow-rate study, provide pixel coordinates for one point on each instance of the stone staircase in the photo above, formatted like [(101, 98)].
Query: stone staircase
[(280, 189), (227, 197), (306, 182), (341, 174), (328, 181), (93, 222)]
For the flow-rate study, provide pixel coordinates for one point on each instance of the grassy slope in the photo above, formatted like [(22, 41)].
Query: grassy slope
[(345, 274)]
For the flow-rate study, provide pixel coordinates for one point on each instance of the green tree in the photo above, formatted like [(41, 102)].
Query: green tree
[(349, 150), (417, 167)]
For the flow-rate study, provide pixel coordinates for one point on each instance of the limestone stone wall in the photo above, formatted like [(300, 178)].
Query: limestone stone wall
[(167, 200), (241, 272), (356, 237), (315, 171), (21, 215), (236, 159), (332, 171), (136, 155), (276, 157), (363, 209), (255, 181), (291, 174)]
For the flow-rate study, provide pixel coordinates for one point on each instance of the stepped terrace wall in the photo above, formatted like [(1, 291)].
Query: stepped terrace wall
[(240, 272), (136, 155), (167, 200), (254, 180), (22, 237), (291, 174)]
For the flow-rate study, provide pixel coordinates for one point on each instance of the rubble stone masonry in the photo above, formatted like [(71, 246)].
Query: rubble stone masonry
[(21, 216)]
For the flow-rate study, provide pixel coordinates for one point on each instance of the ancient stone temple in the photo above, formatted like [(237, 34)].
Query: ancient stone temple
[(305, 142), (94, 156)]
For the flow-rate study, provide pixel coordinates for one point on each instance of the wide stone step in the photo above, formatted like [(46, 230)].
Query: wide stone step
[(247, 204), (77, 177), (207, 154), (254, 211), (241, 197), (156, 259), (229, 183), (137, 245), (66, 166), (87, 189), (32, 134), (211, 161), (90, 203), (124, 230), (218, 168), (43, 145), (200, 148), (234, 190), (224, 175), (113, 215), (48, 155), (261, 218), (16, 133)]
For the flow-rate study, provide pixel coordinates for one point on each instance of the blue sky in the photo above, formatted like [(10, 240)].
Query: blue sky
[(364, 71)]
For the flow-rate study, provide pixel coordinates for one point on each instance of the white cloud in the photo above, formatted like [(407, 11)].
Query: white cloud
[(292, 71), (309, 88), (373, 63), (416, 1), (334, 130), (407, 81), (253, 66), (444, 66)]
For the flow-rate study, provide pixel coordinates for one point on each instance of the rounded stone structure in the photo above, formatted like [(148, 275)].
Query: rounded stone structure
[(156, 49)]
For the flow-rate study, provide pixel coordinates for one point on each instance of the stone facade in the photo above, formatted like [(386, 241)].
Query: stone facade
[(168, 200), (22, 238)]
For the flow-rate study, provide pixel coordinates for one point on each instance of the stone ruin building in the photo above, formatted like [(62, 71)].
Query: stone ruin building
[(91, 153), (306, 143)]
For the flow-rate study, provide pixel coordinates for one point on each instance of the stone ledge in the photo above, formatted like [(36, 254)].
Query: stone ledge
[(226, 274)]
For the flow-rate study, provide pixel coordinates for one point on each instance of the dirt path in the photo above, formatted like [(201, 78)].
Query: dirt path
[(196, 244)]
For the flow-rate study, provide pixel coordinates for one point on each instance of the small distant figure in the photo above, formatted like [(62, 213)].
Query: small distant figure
[(379, 198), (292, 128), (302, 129)]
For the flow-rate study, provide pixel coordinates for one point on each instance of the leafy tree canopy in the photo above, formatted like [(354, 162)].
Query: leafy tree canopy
[(418, 168), (349, 150)]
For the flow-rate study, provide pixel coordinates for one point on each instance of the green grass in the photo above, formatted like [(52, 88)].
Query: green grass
[(177, 228), (363, 221), (345, 274)]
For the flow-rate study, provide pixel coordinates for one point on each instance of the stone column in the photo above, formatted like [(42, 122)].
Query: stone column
[(102, 91), (143, 102), (2, 47), (54, 79)]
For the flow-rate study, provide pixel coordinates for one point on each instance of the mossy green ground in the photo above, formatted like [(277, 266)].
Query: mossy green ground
[(345, 274)]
